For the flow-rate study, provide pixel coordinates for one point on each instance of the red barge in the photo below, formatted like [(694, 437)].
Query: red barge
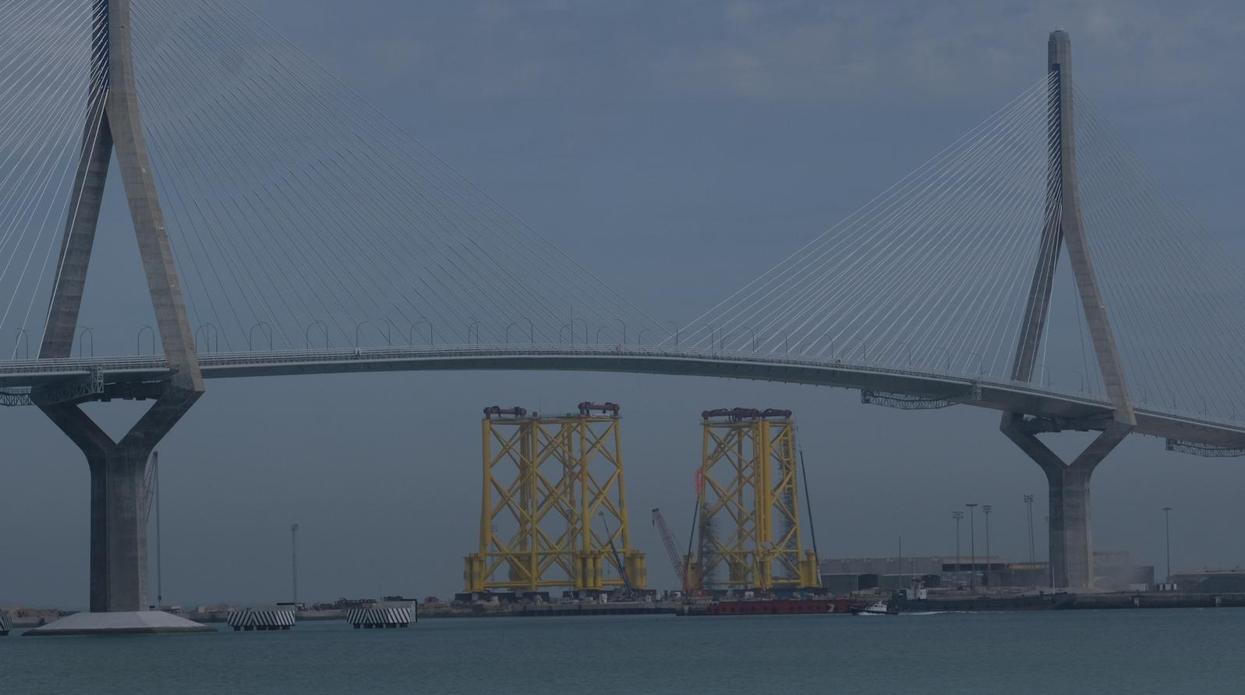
[(770, 607)]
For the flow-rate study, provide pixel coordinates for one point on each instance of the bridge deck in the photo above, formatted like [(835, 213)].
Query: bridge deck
[(1009, 397)]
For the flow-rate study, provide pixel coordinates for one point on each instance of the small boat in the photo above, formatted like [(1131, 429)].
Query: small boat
[(876, 608)]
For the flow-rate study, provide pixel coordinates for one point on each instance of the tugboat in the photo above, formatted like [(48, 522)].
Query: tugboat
[(878, 607)]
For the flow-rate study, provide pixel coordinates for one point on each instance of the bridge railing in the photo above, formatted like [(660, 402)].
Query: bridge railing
[(15, 371), (151, 363)]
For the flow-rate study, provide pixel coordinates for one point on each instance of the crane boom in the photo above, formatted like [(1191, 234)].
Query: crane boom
[(151, 478), (667, 540)]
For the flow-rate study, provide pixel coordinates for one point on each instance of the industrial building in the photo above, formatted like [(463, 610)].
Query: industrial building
[(1211, 581), (846, 575), (1113, 571)]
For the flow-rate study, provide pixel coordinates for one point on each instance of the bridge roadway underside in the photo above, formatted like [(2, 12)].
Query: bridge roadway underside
[(1033, 411), (127, 378)]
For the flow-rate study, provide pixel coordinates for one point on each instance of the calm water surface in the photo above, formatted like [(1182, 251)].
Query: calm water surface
[(1142, 651)]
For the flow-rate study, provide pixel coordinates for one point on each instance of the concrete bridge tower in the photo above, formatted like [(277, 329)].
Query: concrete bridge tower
[(118, 536), (1071, 553)]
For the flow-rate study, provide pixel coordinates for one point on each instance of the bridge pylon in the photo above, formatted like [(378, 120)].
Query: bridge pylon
[(114, 123), (1071, 551)]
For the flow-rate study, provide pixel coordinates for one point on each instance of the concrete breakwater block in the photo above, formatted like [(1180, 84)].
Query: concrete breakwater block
[(119, 623), (262, 619), (381, 616)]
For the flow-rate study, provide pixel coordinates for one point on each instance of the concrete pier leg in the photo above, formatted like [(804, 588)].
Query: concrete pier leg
[(118, 536), (1071, 551), (118, 491)]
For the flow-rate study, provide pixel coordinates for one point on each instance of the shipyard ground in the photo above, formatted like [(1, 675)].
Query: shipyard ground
[(960, 602)]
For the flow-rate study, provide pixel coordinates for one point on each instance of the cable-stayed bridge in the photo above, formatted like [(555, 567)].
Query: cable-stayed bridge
[(286, 227)]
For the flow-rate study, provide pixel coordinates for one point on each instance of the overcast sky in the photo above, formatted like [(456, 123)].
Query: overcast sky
[(677, 149)]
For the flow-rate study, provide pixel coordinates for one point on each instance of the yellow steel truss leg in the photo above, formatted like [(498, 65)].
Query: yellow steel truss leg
[(545, 482), (748, 502)]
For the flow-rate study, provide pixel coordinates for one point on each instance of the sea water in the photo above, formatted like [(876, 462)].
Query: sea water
[(1119, 651)]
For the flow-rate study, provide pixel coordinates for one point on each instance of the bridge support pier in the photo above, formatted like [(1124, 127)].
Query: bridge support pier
[(118, 469), (1071, 553), (1071, 550), (119, 495)]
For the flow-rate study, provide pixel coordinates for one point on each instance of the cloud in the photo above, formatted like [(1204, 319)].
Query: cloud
[(810, 50), (794, 50)]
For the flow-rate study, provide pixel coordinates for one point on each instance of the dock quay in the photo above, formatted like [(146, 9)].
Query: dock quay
[(1071, 601)]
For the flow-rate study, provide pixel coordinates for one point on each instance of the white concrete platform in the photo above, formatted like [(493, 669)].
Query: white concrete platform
[(120, 623)]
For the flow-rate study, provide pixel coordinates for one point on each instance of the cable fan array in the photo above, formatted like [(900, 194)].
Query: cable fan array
[(932, 275), (301, 217), (1173, 292), (48, 94)]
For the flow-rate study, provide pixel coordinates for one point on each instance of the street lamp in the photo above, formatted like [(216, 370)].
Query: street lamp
[(972, 545), (294, 561), (901, 577), (1029, 504), (986, 577), (1050, 561), (957, 516), (1167, 523)]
